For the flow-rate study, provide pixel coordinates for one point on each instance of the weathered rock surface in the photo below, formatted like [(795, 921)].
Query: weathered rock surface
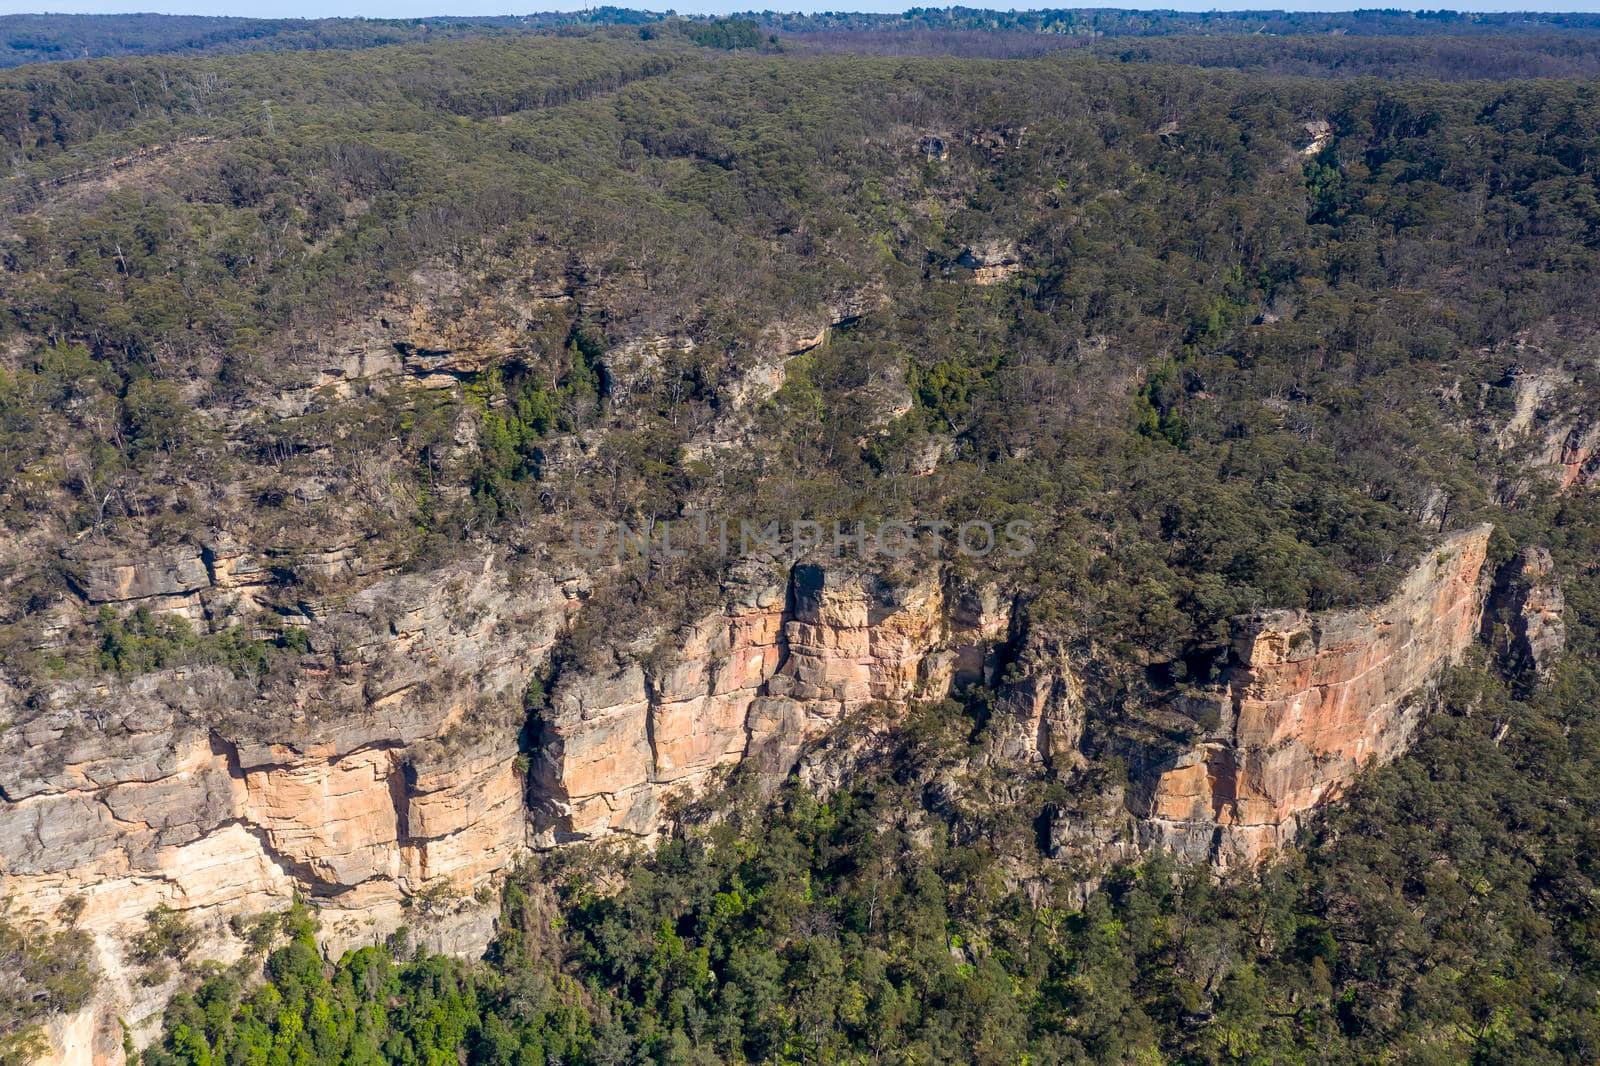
[(765, 368), (175, 572), (389, 766), (1320, 132), (383, 769), (1552, 418), (1524, 622), (755, 681), (1312, 699), (1579, 458), (1042, 709), (990, 261)]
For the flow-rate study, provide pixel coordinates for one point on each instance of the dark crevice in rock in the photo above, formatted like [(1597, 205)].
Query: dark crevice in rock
[(1523, 622), (401, 776)]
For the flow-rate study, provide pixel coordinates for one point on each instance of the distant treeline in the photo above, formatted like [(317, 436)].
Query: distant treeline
[(1543, 45), (34, 38), (1444, 57), (1112, 22)]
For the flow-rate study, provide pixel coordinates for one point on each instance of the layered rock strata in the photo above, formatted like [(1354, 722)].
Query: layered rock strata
[(389, 768), (753, 682), (383, 768), (398, 764), (991, 261), (1042, 707), (1578, 460)]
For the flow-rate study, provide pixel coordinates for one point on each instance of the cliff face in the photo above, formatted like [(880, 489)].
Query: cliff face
[(1579, 457), (399, 766), (756, 681), (384, 769), (1552, 421), (1042, 708), (1524, 622), (1311, 700), (389, 770)]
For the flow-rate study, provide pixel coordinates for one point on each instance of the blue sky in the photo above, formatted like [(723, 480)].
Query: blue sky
[(415, 8)]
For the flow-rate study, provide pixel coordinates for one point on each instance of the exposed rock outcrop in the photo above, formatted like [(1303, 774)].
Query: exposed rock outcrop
[(1312, 699), (1321, 134), (779, 342), (765, 368), (1042, 709), (398, 762), (1578, 460), (990, 261), (387, 768), (170, 577), (1524, 622), (1552, 420), (756, 681), (383, 769), (637, 364)]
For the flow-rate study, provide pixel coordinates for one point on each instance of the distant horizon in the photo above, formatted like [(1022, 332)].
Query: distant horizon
[(413, 9)]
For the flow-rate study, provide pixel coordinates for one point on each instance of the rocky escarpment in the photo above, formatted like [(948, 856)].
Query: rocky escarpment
[(388, 766), (1552, 421), (1524, 622), (990, 261), (1311, 699), (381, 768), (755, 682), (397, 763), (385, 765), (1579, 457)]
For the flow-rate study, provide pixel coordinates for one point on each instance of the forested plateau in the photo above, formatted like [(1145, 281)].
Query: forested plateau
[(330, 733)]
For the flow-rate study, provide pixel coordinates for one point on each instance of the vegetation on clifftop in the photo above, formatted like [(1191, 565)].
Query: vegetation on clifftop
[(1230, 336), (1445, 912), (1244, 407)]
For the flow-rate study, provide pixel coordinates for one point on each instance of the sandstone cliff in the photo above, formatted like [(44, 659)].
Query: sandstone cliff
[(399, 763), (753, 682), (1524, 622), (1312, 699), (390, 768), (386, 766)]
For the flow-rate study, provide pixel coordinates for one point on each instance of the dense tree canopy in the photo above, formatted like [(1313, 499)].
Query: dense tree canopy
[(1277, 321), (1231, 337), (1443, 913)]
